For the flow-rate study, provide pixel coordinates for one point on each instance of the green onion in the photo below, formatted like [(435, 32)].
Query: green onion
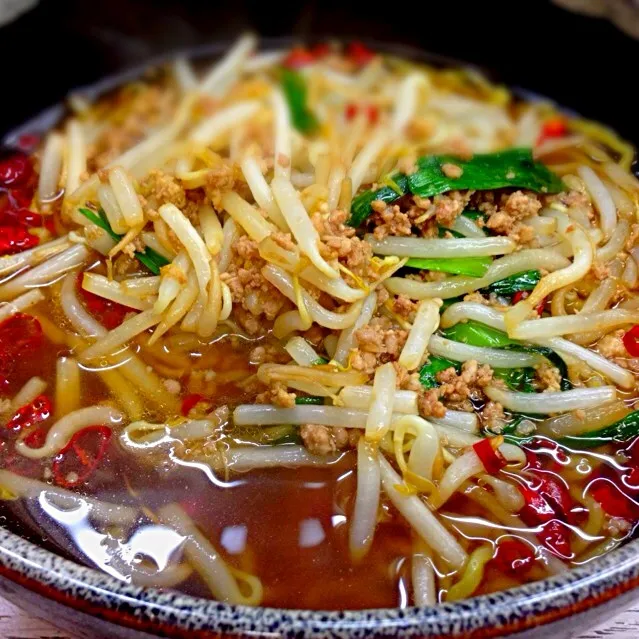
[(478, 334), (473, 266), (428, 373), (101, 221), (474, 215), (621, 431), (525, 281), (361, 206), (483, 172), (319, 361), (149, 258), (294, 87), (309, 400), (551, 356), (517, 379)]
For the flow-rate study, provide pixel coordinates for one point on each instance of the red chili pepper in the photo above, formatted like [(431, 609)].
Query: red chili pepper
[(298, 57), (514, 557), (77, 461), (540, 307), (352, 109), (518, 296), (110, 314), (359, 53), (19, 334), (191, 401), (15, 171), (554, 128), (320, 50), (631, 341), (14, 239), (28, 141), (613, 500), (492, 459), (36, 438), (21, 217), (547, 505), (27, 416)]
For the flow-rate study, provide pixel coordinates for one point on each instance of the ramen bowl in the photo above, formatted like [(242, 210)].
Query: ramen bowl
[(91, 603)]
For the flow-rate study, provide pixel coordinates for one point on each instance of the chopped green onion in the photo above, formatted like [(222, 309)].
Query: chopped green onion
[(294, 87), (319, 361), (361, 206), (473, 215), (525, 281), (483, 172), (309, 400), (473, 266), (621, 431), (517, 379), (478, 334), (511, 168), (101, 221), (149, 258), (428, 373)]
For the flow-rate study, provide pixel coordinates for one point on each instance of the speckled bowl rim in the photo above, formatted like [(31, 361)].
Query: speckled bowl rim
[(177, 615)]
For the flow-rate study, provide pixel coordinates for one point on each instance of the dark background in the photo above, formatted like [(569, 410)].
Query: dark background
[(583, 63)]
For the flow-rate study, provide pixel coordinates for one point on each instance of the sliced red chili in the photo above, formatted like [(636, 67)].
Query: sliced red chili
[(540, 307), (110, 314), (14, 239), (547, 505), (31, 414), (28, 141), (518, 296), (359, 53), (554, 127), (492, 460), (190, 402), (320, 50), (77, 461), (19, 334), (631, 341), (514, 557), (297, 58), (352, 109), (15, 171)]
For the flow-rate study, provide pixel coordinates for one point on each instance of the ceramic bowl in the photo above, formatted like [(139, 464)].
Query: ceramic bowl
[(91, 604)]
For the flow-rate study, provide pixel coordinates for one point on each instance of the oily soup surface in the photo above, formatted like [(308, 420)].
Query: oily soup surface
[(320, 329)]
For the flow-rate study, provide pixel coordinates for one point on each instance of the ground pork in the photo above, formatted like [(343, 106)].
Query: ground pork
[(452, 171), (269, 353), (429, 404), (507, 210), (548, 378), (617, 526), (459, 388), (252, 295), (380, 339), (492, 416), (406, 380), (162, 188), (389, 220), (324, 440), (403, 306), (133, 110), (338, 241), (277, 394), (611, 346)]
